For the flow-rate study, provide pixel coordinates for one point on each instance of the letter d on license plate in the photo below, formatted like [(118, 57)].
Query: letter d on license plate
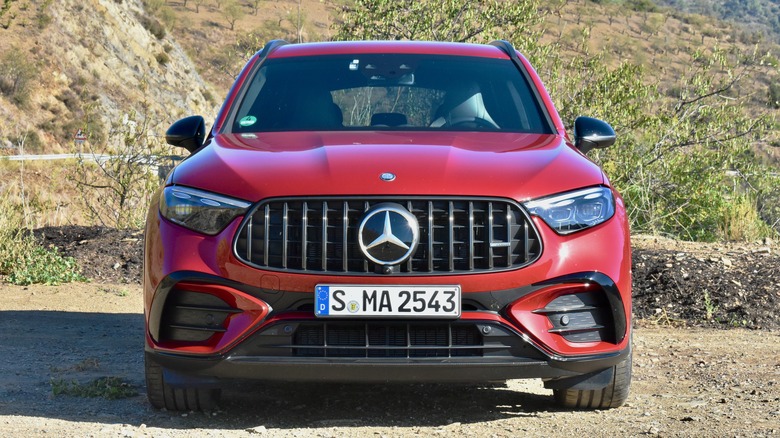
[(381, 301)]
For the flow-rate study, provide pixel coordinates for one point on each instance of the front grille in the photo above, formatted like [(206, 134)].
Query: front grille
[(386, 340), (321, 235)]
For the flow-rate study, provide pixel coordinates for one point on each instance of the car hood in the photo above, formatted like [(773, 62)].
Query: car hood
[(510, 165)]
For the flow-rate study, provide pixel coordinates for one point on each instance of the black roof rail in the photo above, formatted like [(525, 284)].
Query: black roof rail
[(270, 46), (507, 48)]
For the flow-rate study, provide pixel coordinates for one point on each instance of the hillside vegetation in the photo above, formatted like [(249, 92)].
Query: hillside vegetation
[(72, 64), (758, 18)]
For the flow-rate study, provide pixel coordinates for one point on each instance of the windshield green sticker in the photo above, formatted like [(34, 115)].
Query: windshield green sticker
[(248, 121)]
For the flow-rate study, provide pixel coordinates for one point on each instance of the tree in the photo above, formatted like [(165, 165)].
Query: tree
[(255, 6), (115, 178), (232, 12), (198, 4), (17, 75), (5, 6)]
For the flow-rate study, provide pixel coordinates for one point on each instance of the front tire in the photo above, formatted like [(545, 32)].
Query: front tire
[(611, 396), (162, 395)]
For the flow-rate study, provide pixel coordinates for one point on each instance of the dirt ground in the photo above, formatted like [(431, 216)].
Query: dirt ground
[(691, 375)]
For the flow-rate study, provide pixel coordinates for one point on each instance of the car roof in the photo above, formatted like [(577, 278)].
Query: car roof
[(404, 47)]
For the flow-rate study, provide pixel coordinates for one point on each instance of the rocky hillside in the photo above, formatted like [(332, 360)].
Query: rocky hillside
[(90, 65)]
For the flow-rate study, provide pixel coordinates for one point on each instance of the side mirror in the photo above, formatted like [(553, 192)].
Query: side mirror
[(187, 133), (590, 133)]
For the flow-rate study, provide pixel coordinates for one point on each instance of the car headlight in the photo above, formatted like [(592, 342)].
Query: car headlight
[(574, 211), (200, 211)]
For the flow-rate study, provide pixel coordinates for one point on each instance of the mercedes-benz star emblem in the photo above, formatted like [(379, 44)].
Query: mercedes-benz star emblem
[(388, 234)]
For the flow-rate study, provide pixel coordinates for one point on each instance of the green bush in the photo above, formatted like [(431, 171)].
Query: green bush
[(17, 75), (24, 261), (163, 58), (774, 95), (30, 140), (642, 5), (153, 26)]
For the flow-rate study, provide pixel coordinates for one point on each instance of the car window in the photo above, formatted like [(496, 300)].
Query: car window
[(388, 92)]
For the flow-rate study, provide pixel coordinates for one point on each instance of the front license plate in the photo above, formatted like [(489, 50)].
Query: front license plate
[(387, 301)]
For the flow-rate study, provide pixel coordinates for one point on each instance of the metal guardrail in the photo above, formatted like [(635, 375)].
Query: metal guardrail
[(162, 164), (47, 157)]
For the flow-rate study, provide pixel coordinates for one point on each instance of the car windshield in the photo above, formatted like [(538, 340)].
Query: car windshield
[(388, 92)]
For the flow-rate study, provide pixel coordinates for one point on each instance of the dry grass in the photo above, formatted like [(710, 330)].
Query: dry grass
[(742, 223), (41, 192)]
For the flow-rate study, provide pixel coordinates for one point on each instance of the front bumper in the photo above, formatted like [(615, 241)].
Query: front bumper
[(519, 359), (206, 372), (503, 335)]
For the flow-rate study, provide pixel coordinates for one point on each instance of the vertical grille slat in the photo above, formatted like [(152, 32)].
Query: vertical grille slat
[(321, 235), (508, 239), (430, 236), (471, 236), (526, 252), (409, 266), (366, 206), (304, 236), (451, 240), (249, 238), (324, 241), (491, 238), (285, 239), (266, 233), (345, 234)]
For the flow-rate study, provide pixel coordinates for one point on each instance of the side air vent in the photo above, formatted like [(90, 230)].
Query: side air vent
[(581, 317), (191, 316)]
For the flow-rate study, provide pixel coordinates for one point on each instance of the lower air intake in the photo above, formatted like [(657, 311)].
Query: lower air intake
[(387, 340)]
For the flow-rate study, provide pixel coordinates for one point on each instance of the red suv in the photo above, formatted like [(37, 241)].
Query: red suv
[(388, 212)]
